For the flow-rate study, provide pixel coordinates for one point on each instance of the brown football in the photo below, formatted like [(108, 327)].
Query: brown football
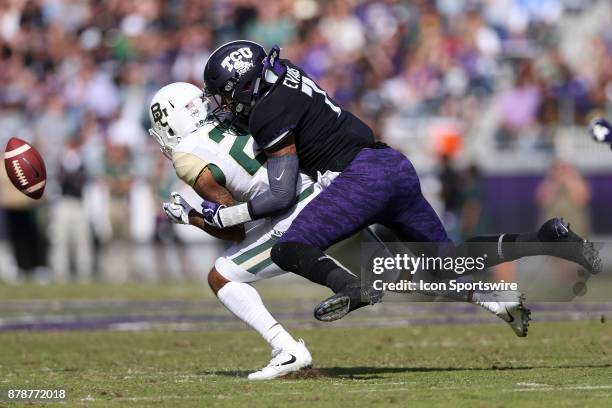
[(25, 168)]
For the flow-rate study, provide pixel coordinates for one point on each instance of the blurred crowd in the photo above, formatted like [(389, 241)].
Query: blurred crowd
[(77, 76)]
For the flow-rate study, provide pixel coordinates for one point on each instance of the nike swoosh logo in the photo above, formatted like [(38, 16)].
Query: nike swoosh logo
[(290, 361), (279, 177), (36, 173), (509, 315)]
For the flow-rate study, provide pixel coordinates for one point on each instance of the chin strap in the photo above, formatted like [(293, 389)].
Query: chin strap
[(256, 91)]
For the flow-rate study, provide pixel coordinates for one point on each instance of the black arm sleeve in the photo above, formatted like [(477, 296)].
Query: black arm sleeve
[(283, 175)]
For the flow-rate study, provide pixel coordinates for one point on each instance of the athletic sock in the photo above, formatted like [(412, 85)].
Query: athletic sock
[(503, 247), (243, 301), (279, 338)]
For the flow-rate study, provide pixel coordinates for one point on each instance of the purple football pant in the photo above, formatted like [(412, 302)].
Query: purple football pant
[(380, 186)]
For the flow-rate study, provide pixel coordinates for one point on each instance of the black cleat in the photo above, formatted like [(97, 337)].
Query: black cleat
[(342, 303), (585, 254)]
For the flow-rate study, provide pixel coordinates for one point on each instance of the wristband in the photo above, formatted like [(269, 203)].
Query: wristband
[(234, 215)]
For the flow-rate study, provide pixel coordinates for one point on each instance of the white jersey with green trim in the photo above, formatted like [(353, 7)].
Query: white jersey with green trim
[(237, 157)]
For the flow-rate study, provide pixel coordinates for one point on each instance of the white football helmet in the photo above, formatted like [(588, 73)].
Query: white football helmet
[(176, 110)]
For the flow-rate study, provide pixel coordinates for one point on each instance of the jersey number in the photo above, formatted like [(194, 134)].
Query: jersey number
[(292, 80), (249, 164), (309, 83)]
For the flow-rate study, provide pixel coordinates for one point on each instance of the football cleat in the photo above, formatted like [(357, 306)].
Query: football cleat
[(285, 362), (512, 312), (353, 297), (584, 253)]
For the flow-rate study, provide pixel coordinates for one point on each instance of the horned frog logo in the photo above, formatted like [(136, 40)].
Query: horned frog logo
[(242, 67)]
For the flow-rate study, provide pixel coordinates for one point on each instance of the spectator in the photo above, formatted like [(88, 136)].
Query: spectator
[(520, 106), (564, 193), (71, 236), (472, 217), (23, 231), (451, 186), (118, 177)]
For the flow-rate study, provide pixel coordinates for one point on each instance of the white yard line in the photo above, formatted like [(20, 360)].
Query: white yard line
[(371, 388), (564, 388)]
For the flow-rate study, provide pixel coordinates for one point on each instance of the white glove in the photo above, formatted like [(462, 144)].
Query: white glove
[(178, 209), (326, 178)]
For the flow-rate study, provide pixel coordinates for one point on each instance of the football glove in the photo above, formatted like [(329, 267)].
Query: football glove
[(212, 213), (178, 209), (601, 130)]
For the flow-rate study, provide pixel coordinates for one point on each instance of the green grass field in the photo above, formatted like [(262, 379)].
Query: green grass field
[(475, 365)]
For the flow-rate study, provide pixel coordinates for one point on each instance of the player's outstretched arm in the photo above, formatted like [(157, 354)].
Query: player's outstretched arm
[(235, 233), (207, 188), (179, 211), (283, 172)]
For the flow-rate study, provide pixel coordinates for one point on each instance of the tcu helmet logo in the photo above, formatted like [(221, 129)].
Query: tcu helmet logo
[(235, 61)]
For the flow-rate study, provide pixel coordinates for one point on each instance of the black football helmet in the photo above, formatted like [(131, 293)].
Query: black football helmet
[(232, 76)]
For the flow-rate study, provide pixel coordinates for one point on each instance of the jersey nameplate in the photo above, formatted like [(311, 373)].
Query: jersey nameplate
[(292, 79)]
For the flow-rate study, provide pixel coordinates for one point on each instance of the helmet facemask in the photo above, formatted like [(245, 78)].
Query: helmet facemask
[(165, 146), (234, 103), (244, 93)]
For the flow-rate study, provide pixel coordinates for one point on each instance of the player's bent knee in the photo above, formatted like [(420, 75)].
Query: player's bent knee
[(296, 257), (215, 280), (307, 261), (284, 255)]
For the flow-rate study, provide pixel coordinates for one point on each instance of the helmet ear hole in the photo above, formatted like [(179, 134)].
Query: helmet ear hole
[(170, 131)]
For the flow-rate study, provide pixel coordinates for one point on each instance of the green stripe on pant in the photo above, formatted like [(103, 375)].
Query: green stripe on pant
[(258, 258), (253, 252)]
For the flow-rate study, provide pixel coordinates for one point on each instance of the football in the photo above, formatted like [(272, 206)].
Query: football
[(25, 168)]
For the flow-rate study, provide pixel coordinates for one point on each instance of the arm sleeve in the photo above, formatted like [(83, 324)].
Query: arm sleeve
[(283, 174)]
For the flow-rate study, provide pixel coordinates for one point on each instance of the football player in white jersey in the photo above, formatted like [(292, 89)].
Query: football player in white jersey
[(223, 165)]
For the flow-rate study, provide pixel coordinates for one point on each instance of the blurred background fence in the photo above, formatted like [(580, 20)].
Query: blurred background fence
[(489, 99)]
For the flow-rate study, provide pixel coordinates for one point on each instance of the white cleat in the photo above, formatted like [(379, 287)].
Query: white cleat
[(512, 312), (285, 362)]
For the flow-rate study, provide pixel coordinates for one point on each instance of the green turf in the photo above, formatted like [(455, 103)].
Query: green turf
[(559, 364)]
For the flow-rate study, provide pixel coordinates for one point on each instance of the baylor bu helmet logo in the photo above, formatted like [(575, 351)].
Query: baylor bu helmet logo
[(235, 60)]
